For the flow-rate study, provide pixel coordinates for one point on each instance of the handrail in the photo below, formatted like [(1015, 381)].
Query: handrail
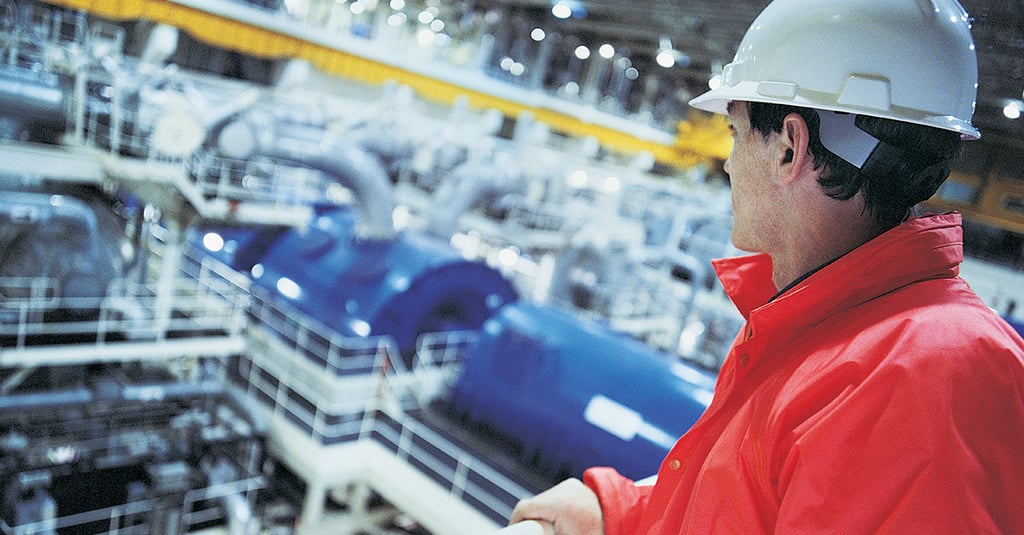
[(528, 527)]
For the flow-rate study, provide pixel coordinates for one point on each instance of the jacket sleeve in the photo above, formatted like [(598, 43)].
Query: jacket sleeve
[(622, 500), (912, 449)]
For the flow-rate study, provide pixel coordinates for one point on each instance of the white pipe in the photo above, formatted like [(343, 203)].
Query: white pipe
[(350, 165), (161, 43), (467, 184)]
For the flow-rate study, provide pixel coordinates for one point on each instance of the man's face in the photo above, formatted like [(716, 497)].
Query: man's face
[(749, 167)]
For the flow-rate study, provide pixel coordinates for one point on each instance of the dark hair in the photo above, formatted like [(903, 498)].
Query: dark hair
[(888, 197)]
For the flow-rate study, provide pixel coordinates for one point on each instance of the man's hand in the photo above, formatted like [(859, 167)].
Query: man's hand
[(570, 506)]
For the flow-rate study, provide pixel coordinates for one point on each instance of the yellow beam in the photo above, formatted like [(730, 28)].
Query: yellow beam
[(991, 200), (973, 214), (698, 140)]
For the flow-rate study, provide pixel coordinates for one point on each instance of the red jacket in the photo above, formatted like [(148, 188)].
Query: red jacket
[(877, 395)]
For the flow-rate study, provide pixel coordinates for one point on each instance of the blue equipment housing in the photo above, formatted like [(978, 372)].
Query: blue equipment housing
[(1017, 325), (402, 287), (575, 394)]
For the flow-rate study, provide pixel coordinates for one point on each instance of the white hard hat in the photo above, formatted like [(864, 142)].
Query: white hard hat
[(907, 60)]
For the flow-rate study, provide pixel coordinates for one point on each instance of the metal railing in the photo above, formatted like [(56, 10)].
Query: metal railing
[(256, 180), (193, 507), (342, 389), (175, 297)]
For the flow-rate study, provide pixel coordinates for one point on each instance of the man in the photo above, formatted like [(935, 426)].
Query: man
[(870, 389)]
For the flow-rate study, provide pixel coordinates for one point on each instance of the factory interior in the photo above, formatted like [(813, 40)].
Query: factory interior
[(372, 266)]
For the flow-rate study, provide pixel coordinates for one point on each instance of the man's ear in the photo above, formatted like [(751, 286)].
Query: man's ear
[(793, 155)]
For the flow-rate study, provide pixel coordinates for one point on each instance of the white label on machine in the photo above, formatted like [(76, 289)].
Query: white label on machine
[(613, 417)]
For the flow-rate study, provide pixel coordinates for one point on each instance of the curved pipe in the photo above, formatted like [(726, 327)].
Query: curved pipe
[(248, 136), (161, 43), (467, 184)]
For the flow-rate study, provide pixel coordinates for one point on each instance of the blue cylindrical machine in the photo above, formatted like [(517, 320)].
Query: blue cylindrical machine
[(1016, 324), (576, 394), (350, 268), (400, 287)]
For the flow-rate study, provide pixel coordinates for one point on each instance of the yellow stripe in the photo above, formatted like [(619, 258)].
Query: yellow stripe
[(699, 140)]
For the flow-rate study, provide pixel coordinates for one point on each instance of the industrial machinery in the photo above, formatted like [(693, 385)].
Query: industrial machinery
[(350, 267), (296, 192), (125, 448), (401, 287), (573, 394), (58, 253)]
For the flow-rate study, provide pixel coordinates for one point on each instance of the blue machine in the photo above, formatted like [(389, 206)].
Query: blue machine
[(1017, 325), (401, 287), (575, 394)]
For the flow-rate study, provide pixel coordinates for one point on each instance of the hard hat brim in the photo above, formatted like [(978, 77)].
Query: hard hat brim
[(717, 101)]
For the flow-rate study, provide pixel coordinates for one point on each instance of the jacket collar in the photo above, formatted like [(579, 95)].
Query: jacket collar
[(921, 248)]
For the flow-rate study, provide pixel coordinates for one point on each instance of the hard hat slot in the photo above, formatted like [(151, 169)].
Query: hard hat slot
[(777, 89), (866, 93)]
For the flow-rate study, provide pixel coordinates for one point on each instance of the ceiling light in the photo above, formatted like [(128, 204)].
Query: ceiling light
[(665, 58), (668, 56), (561, 10), (1013, 109)]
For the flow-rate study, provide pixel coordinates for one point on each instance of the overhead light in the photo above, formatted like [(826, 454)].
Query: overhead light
[(563, 9), (582, 52), (665, 58), (715, 81), (668, 56), (1013, 109), (606, 51)]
